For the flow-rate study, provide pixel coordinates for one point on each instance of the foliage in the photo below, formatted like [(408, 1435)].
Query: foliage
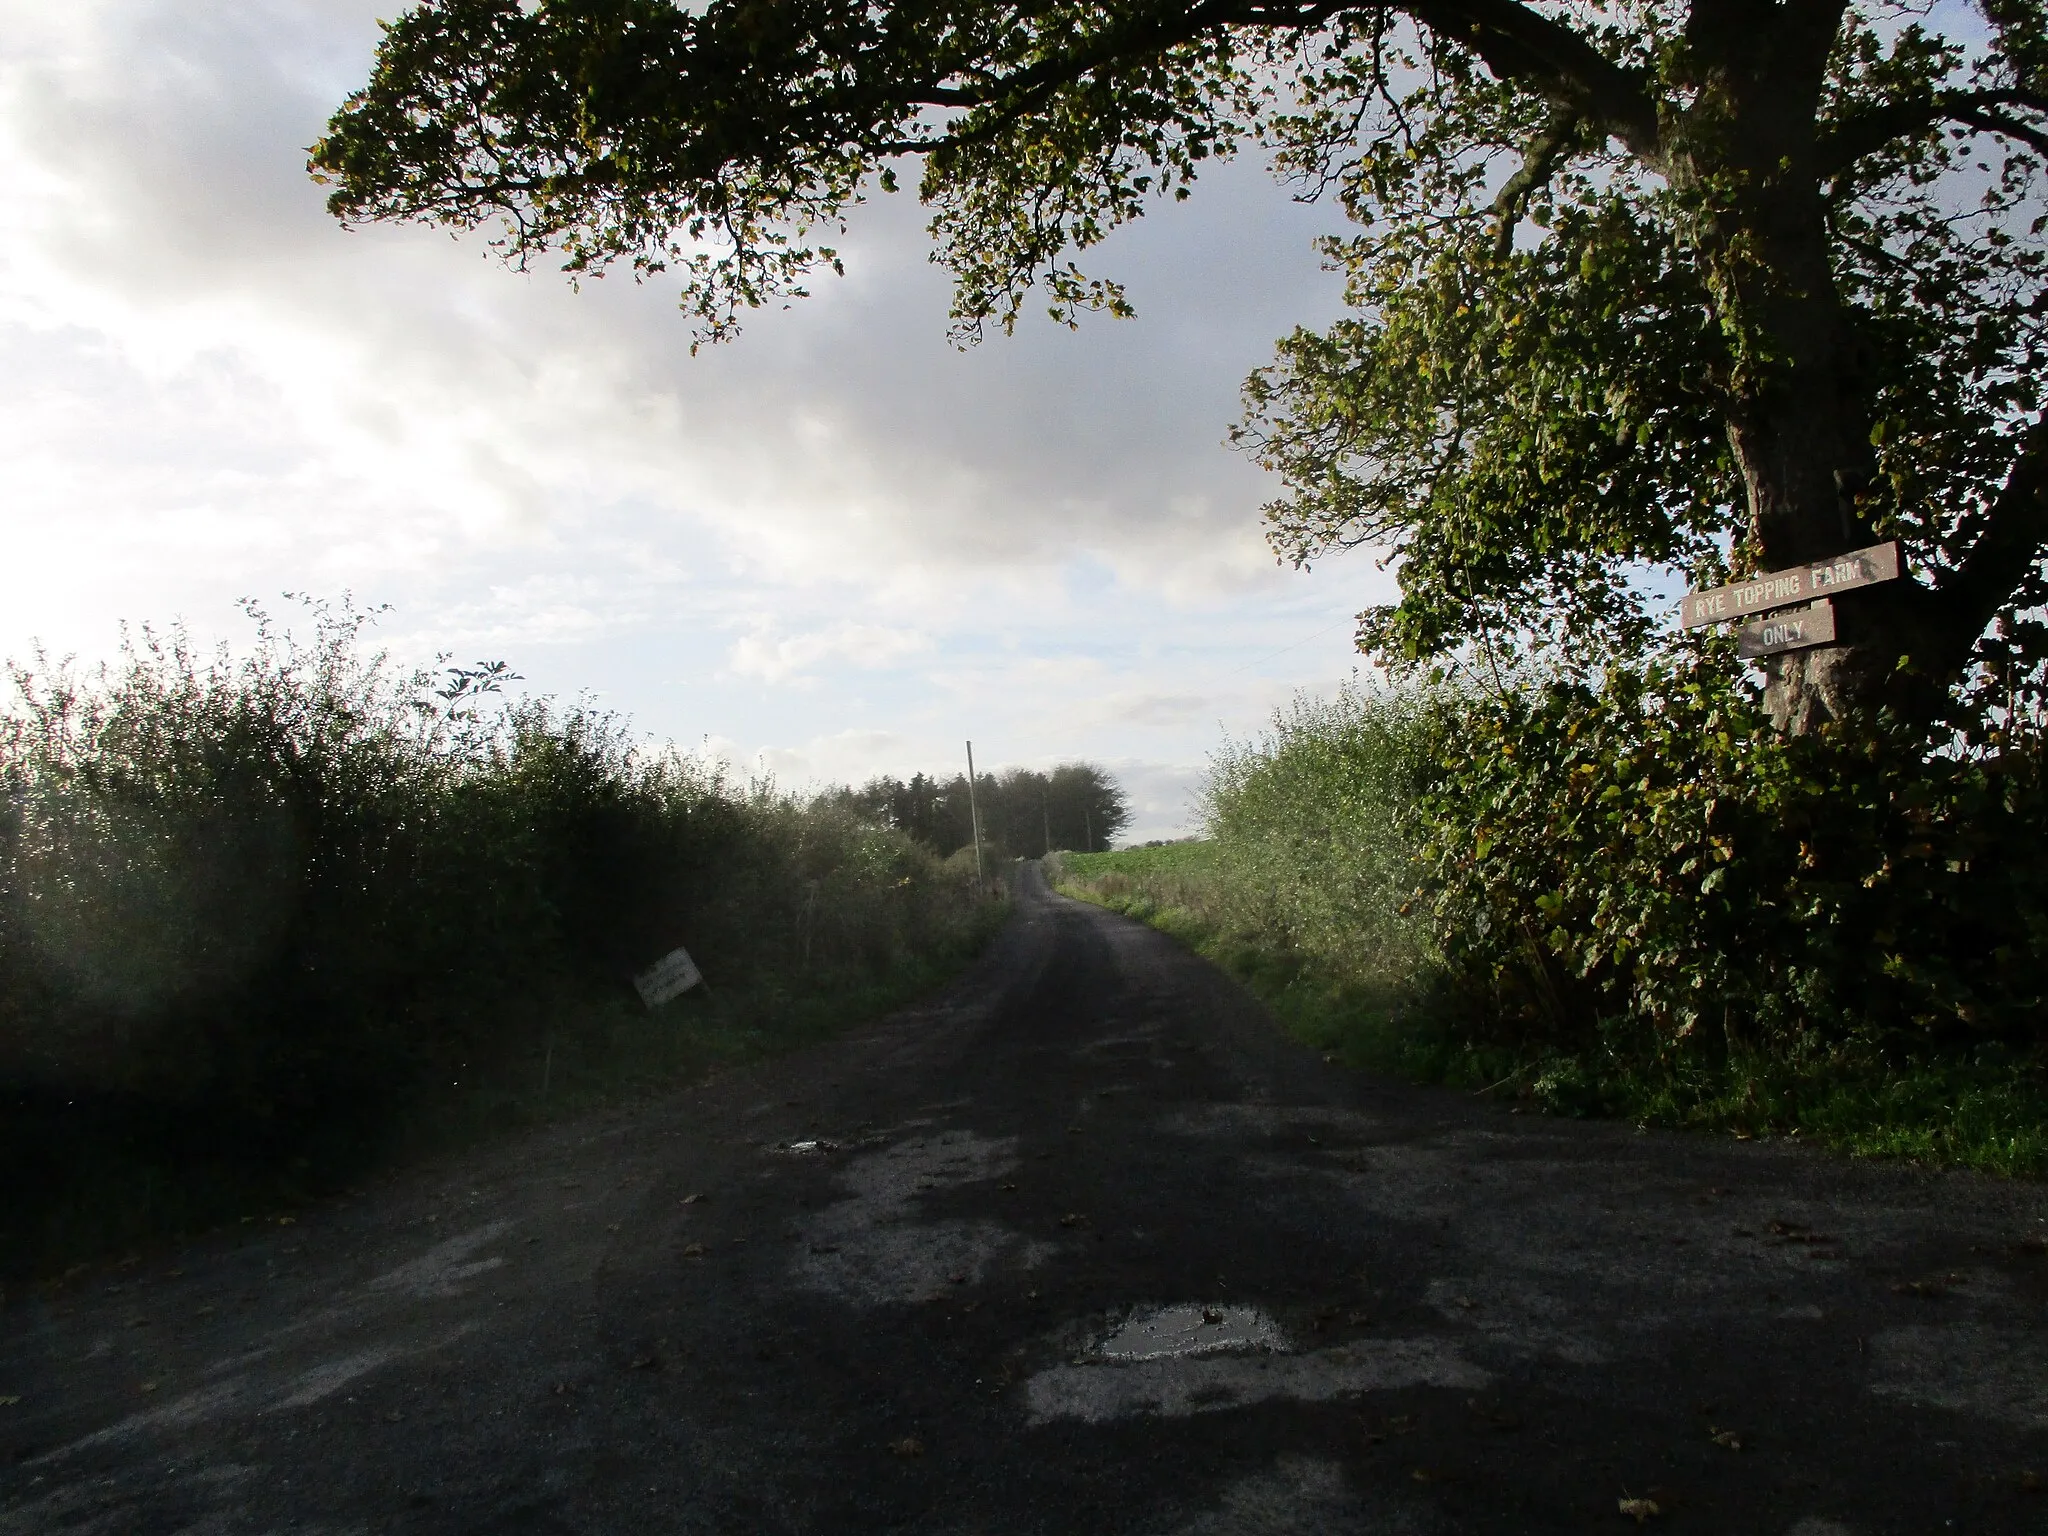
[(1077, 805), (1315, 827), (1308, 854), (1635, 852), (1692, 284), (1863, 965), (271, 913)]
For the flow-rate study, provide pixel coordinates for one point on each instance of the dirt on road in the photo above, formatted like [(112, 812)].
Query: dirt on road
[(1082, 1245)]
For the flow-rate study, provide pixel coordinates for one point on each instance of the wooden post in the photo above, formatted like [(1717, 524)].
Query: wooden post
[(974, 821)]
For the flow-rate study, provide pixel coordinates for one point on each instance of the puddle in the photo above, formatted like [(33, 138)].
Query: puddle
[(872, 1248), (1178, 1386), (1165, 1333)]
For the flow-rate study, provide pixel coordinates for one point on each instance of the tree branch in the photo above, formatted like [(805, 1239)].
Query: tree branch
[(1525, 48), (2015, 533), (1538, 161), (1516, 43), (1991, 121), (1871, 130)]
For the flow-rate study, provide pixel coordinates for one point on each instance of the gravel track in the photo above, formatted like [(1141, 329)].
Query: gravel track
[(1081, 1245)]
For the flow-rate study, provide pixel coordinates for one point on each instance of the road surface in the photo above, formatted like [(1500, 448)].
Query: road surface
[(1082, 1245)]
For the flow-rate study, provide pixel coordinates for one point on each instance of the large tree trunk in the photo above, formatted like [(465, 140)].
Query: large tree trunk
[(1797, 400)]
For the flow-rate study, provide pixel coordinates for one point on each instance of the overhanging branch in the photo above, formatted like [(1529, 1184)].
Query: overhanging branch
[(2015, 534), (1557, 136), (1866, 132)]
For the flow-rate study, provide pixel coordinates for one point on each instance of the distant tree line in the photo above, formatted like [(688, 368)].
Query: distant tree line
[(1077, 807)]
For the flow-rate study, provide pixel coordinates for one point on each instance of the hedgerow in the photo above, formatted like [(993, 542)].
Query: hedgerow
[(268, 914)]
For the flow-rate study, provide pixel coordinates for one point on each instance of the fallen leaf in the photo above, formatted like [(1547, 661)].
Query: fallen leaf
[(2030, 1482), (147, 1386), (1927, 1288), (1072, 1219), (1463, 1303), (1008, 1189), (956, 1279), (1425, 1475), (2035, 1243), (824, 1247), (690, 1200), (1639, 1510), (646, 1363), (909, 1445), (1212, 1314), (1727, 1439), (12, 1401), (693, 1251)]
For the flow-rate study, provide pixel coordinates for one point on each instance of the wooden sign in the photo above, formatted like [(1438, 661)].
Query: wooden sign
[(670, 976), (1787, 631), (1786, 589)]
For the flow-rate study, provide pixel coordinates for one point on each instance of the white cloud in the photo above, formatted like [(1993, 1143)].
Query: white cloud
[(207, 389), (789, 658)]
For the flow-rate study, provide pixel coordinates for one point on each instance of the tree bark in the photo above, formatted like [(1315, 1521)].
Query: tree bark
[(1745, 156)]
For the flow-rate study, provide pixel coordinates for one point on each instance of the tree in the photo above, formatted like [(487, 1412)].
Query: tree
[(1639, 283), (1076, 806)]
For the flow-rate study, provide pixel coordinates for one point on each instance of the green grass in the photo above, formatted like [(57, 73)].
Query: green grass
[(1378, 1021), (1987, 1112)]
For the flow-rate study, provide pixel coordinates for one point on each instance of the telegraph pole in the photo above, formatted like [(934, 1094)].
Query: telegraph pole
[(1045, 820), (974, 819)]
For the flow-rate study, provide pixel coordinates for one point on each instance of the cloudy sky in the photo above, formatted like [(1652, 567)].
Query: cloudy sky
[(835, 547)]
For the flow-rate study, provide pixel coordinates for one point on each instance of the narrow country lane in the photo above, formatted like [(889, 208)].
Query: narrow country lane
[(1081, 1246)]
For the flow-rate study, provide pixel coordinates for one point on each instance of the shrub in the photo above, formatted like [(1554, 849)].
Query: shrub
[(1640, 855), (265, 912)]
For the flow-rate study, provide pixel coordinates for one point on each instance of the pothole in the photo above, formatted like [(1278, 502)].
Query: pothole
[(1163, 1333)]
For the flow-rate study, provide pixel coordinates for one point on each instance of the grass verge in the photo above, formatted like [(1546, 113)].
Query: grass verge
[(1987, 1111)]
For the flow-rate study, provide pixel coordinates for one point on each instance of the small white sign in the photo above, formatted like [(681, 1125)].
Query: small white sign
[(670, 976)]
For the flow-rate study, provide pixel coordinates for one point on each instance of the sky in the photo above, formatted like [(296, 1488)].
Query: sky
[(833, 548)]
